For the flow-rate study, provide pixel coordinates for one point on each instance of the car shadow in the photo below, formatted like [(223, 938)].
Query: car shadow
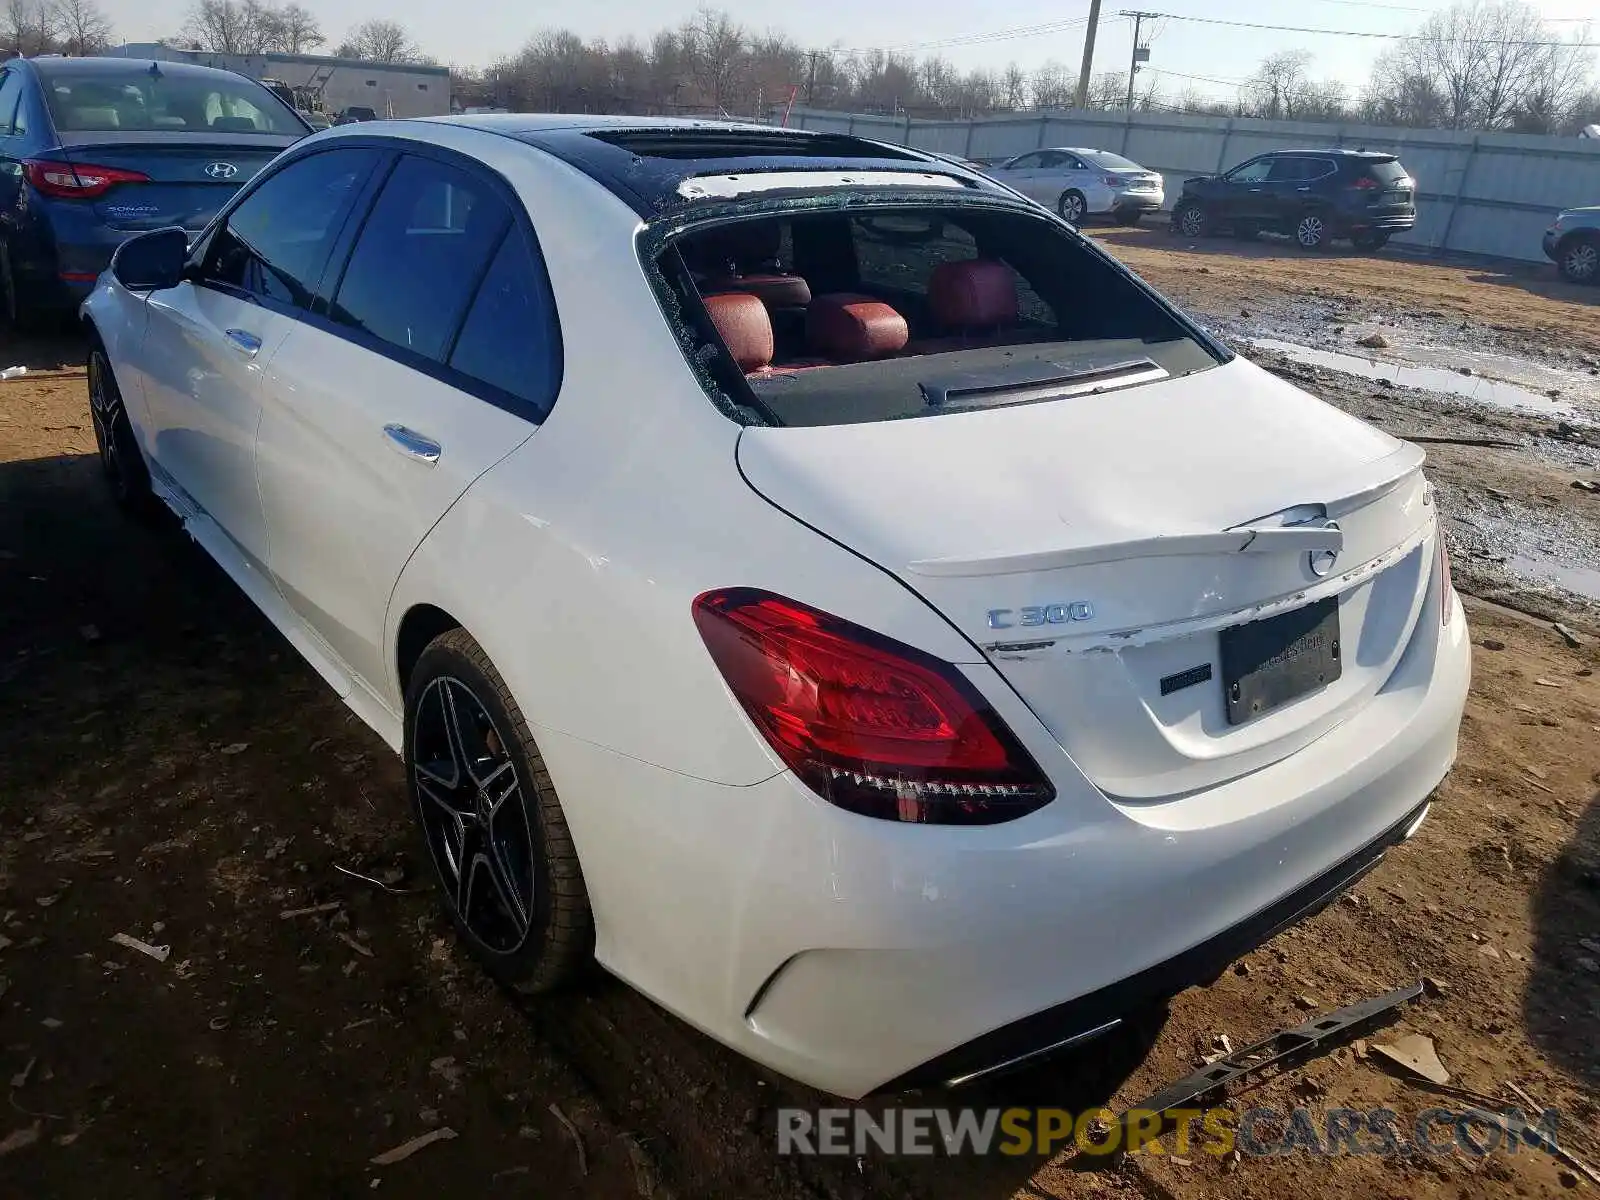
[(1266, 246), (1539, 280), (61, 348), (1564, 978)]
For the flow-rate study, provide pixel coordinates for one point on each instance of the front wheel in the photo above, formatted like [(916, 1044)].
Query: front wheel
[(1375, 240), (120, 460), (1580, 260), (502, 854), (1072, 207), (1192, 220), (1311, 231)]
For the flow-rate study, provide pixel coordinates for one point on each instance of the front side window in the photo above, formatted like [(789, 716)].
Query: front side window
[(276, 242), (419, 256), (10, 95), (1288, 170), (1026, 162), (895, 312), (117, 100)]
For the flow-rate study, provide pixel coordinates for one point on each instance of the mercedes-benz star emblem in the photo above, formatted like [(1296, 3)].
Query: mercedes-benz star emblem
[(222, 170)]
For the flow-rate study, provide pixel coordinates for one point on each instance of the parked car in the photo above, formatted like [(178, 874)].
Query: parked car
[(94, 150), (1573, 243), (1312, 195), (355, 113), (1079, 182), (892, 664)]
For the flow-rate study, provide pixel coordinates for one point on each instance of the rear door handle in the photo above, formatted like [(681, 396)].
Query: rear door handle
[(243, 341), (412, 444)]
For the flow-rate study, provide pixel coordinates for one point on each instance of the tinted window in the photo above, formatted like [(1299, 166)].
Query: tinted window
[(1251, 172), (1104, 158), (419, 256), (509, 339), (1288, 170), (275, 243), (1026, 162), (10, 93), (1387, 171), (177, 102)]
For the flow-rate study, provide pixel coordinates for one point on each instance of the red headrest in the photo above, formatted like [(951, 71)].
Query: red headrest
[(977, 293), (850, 328), (742, 321)]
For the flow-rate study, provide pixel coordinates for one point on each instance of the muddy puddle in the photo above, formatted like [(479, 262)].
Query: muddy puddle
[(1527, 543), (1467, 384)]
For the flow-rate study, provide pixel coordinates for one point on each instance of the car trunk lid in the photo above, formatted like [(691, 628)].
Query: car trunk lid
[(1096, 549), (189, 176)]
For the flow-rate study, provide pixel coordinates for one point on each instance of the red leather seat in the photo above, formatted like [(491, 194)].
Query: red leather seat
[(744, 257), (846, 327), (746, 329), (974, 302)]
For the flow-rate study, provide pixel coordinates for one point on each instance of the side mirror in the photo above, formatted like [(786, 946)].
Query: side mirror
[(151, 261)]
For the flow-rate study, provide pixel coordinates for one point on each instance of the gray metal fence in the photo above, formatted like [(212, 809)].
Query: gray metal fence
[(1480, 193)]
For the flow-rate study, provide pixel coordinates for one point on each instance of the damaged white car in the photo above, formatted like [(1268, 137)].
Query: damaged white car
[(798, 573)]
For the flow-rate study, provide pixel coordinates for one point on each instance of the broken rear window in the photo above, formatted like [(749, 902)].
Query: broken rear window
[(887, 313)]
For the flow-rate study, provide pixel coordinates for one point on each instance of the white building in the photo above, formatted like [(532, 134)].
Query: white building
[(388, 89)]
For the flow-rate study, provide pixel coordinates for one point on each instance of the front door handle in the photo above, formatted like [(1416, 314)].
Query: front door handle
[(412, 444), (243, 341)]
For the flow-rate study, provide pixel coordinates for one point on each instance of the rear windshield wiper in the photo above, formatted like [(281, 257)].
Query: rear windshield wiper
[(1024, 382)]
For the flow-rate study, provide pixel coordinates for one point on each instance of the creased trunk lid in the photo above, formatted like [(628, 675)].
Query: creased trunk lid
[(1095, 546)]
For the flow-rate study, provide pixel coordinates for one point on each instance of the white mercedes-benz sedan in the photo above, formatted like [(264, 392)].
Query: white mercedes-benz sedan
[(797, 572)]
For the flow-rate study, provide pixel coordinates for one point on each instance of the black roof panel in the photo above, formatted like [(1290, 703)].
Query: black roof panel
[(644, 161)]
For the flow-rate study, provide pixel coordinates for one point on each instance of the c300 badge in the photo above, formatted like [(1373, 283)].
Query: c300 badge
[(1041, 614)]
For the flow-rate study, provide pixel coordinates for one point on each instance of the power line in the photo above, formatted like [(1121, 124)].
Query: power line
[(1361, 33), (971, 39)]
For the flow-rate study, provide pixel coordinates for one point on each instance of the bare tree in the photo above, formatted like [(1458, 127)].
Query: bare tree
[(715, 47), (29, 26), (228, 26), (1014, 87), (294, 29), (1108, 89), (1053, 86), (1280, 84), (84, 28), (380, 40)]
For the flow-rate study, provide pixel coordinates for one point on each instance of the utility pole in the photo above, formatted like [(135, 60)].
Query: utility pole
[(1088, 54), (811, 75), (1140, 53)]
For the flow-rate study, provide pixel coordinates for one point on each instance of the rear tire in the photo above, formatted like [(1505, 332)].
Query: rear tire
[(1191, 220), (488, 811), (11, 310), (1072, 207), (121, 462), (1311, 231), (1579, 260)]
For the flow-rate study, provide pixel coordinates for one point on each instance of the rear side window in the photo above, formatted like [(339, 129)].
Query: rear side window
[(275, 243), (118, 100), (510, 339), (420, 255), (1387, 171), (1288, 170)]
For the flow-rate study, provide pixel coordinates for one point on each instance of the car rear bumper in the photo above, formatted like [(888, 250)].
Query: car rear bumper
[(1144, 202), (1365, 222), (857, 955)]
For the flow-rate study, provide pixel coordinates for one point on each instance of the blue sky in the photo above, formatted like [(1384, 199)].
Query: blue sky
[(475, 34)]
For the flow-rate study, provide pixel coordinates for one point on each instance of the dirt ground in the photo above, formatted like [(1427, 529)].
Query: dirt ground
[(170, 770)]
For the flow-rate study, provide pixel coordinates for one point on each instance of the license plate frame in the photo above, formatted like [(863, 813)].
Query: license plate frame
[(1271, 662)]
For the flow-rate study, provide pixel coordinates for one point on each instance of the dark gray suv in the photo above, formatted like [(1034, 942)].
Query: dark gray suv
[(1312, 195)]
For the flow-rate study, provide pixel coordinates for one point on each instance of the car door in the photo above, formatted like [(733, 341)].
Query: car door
[(414, 380), (1020, 171), (1244, 196), (208, 339), (1079, 175), (1285, 190)]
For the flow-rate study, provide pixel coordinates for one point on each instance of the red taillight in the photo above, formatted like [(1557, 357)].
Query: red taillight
[(1116, 181), (871, 725), (1447, 593), (1366, 183), (76, 181)]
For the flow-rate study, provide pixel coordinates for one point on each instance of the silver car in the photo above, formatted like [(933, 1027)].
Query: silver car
[(1573, 243), (1079, 182)]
